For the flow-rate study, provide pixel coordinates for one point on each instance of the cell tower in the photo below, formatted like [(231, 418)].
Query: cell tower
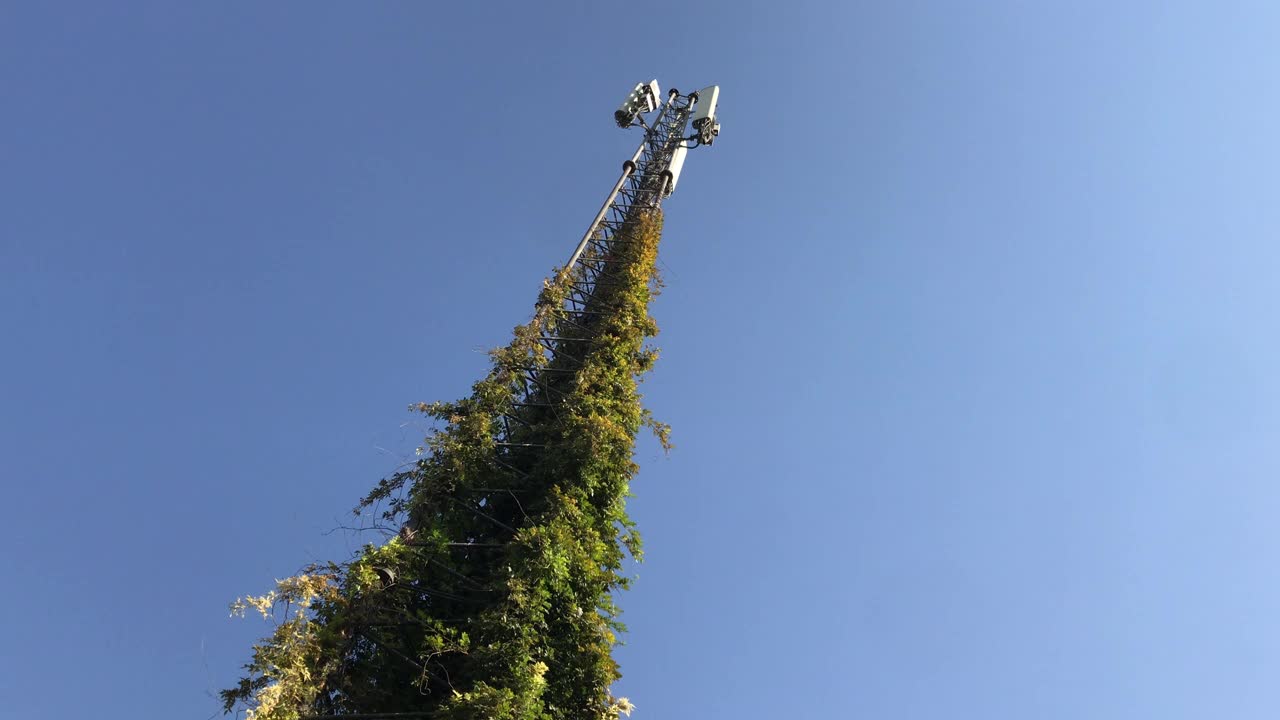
[(494, 599)]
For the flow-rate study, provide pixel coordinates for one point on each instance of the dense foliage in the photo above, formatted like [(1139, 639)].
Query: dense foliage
[(495, 599)]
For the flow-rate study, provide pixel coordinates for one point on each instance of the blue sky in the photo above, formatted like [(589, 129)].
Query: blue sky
[(969, 339)]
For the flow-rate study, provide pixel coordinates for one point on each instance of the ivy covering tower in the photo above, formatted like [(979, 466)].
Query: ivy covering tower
[(495, 600)]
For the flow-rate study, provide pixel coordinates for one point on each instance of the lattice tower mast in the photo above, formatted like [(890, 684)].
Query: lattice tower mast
[(471, 518)]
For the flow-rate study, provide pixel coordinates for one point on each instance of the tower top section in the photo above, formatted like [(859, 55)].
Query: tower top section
[(665, 132)]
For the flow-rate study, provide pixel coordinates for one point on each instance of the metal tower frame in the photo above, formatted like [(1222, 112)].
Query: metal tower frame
[(564, 338)]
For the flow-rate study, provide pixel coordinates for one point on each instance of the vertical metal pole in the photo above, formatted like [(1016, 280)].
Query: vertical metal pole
[(662, 186), (628, 167)]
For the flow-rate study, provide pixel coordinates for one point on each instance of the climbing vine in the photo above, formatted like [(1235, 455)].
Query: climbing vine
[(495, 600)]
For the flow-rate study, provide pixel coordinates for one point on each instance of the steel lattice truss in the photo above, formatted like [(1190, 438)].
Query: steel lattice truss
[(542, 385)]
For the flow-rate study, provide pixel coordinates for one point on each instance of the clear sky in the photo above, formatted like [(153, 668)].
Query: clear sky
[(970, 340)]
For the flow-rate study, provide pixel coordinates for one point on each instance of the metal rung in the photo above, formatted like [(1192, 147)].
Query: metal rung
[(545, 368), (517, 418)]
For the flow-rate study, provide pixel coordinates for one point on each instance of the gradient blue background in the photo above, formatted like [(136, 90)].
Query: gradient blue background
[(969, 336)]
